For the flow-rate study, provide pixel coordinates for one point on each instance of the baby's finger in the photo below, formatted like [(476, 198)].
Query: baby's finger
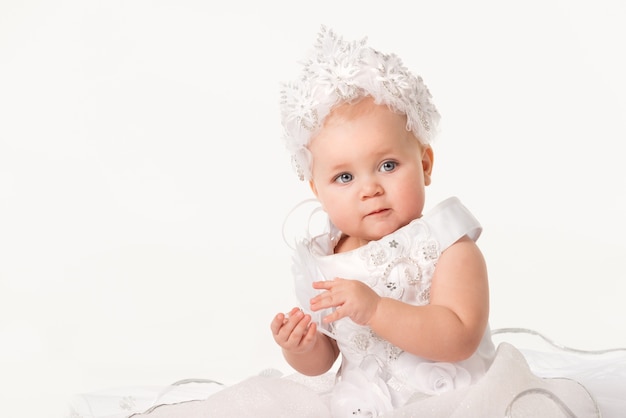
[(285, 327), (300, 329), (325, 300), (277, 323), (310, 334), (323, 285), (290, 314), (334, 316)]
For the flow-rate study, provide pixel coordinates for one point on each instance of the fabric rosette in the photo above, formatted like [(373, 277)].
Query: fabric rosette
[(438, 378), (414, 374)]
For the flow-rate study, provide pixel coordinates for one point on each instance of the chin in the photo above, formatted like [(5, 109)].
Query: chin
[(382, 233)]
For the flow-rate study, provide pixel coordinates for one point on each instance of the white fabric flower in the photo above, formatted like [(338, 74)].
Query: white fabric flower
[(339, 74), (438, 378), (375, 254), (361, 392), (298, 108)]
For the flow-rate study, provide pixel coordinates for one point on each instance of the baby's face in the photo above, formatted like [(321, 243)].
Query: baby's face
[(369, 171)]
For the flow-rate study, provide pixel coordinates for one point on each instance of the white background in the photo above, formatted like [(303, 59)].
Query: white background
[(143, 179)]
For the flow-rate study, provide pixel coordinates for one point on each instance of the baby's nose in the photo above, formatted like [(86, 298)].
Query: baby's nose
[(370, 188)]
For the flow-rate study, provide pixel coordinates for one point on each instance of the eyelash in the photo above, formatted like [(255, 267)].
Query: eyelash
[(338, 178), (394, 164)]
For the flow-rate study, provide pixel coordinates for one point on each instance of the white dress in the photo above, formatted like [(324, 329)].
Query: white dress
[(376, 378)]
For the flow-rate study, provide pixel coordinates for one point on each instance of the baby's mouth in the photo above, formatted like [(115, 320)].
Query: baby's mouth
[(378, 212)]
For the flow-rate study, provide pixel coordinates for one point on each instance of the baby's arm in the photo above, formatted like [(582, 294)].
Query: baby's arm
[(449, 329), (306, 350)]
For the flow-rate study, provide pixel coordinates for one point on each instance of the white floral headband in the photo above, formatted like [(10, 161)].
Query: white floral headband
[(340, 71)]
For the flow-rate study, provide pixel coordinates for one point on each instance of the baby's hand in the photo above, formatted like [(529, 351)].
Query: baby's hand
[(294, 331), (351, 298)]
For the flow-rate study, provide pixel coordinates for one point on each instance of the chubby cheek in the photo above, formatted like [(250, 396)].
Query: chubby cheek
[(339, 209), (341, 216), (412, 201)]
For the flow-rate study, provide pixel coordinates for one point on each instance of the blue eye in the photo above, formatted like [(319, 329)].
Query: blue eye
[(388, 166), (344, 178)]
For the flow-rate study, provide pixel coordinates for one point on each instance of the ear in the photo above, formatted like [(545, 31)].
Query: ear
[(427, 164), (317, 196), (313, 188)]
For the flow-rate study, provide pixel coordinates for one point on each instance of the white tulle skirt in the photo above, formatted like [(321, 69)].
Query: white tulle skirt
[(548, 381)]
